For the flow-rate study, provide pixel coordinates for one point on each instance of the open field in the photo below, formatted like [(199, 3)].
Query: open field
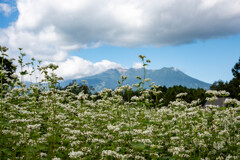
[(38, 124), (40, 121)]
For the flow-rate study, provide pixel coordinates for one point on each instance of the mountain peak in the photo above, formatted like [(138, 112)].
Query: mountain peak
[(175, 69), (122, 70), (171, 69)]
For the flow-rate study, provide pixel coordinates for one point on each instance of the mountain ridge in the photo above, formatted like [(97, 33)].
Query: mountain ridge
[(166, 76)]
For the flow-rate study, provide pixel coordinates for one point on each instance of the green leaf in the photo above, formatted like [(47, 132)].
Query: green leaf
[(24, 72), (3, 54), (222, 108), (139, 146), (31, 149), (165, 158), (196, 158), (42, 147), (154, 147), (149, 104)]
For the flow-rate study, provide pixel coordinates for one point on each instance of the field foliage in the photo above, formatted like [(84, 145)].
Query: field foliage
[(42, 122)]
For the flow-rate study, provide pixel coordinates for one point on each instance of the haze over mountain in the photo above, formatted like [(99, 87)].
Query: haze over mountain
[(165, 77)]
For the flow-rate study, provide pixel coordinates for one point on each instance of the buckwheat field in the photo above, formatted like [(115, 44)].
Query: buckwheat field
[(39, 121)]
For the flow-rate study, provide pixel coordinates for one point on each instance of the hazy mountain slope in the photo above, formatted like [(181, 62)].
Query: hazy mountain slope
[(165, 76)]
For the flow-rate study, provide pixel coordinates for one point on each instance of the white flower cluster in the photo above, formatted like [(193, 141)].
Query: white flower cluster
[(147, 80), (219, 145), (135, 98), (231, 101), (75, 155), (176, 150), (222, 93), (110, 153), (181, 95), (212, 99), (82, 96), (32, 127), (113, 128)]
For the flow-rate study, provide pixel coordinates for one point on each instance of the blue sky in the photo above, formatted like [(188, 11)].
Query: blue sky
[(204, 45), (208, 61)]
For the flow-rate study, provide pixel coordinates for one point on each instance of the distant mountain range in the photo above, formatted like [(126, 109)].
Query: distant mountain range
[(165, 77)]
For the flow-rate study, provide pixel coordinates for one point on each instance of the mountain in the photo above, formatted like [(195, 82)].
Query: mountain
[(165, 77)]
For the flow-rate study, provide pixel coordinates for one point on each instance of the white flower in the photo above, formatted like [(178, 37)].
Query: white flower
[(74, 154), (147, 80), (82, 96), (231, 101), (181, 95), (156, 92), (211, 99), (176, 150), (114, 128), (175, 138), (134, 98), (223, 93), (212, 92), (218, 145), (43, 154), (36, 126), (108, 153), (14, 76), (85, 82), (139, 157)]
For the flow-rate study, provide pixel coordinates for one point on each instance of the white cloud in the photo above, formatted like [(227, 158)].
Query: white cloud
[(137, 65), (76, 67), (5, 8), (49, 29)]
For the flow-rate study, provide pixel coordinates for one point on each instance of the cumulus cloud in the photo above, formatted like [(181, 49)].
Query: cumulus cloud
[(137, 65), (75, 67), (5, 8), (72, 68), (48, 30), (52, 28)]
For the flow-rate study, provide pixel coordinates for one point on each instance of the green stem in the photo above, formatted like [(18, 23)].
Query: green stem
[(1, 108), (156, 101), (144, 76), (21, 71)]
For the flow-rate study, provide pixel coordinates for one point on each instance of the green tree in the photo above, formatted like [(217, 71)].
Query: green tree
[(219, 85), (7, 67), (236, 69), (233, 86)]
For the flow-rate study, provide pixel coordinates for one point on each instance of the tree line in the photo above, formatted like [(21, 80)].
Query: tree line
[(233, 86)]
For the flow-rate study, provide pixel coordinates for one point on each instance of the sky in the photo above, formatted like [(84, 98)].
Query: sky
[(85, 37)]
